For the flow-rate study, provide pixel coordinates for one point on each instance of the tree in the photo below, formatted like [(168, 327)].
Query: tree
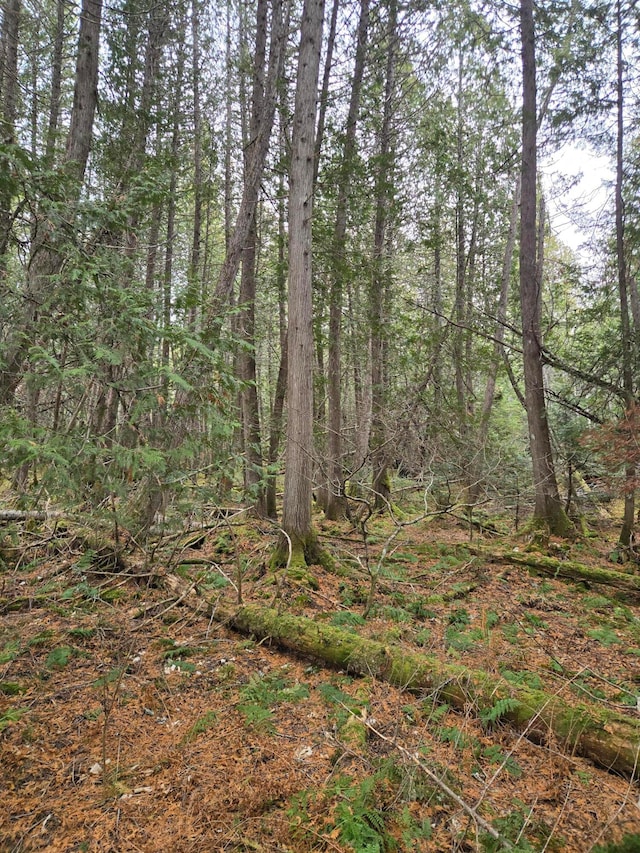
[(623, 289), (8, 109), (46, 258), (380, 270), (336, 501), (296, 514), (548, 509)]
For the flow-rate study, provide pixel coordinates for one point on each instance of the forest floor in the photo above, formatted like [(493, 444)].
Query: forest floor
[(133, 721)]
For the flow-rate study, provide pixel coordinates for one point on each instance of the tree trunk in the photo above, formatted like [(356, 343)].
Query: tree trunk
[(296, 517), (336, 502), (194, 274), (548, 507), (8, 105), (625, 324), (56, 83), (568, 569), (258, 147), (45, 259), (501, 316), (379, 456), (275, 423), (247, 297)]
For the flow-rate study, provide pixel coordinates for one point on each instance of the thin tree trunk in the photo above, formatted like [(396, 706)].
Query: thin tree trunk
[(501, 316), (196, 240), (9, 106), (275, 423), (336, 503), (461, 266), (56, 82), (45, 260), (625, 325), (379, 455), (258, 147), (228, 122), (246, 319)]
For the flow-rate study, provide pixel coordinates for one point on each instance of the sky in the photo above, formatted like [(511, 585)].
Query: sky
[(579, 186)]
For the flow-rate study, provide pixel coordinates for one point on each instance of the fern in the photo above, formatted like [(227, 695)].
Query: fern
[(359, 820), (503, 706), (258, 718)]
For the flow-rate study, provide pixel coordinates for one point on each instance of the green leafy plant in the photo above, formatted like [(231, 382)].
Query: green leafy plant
[(81, 590), (492, 715), (459, 617), (494, 755), (605, 636), (174, 651), (257, 717), (11, 715), (10, 652), (395, 614), (347, 619), (629, 844), (461, 641), (413, 831), (11, 688), (530, 679), (201, 725), (452, 735), (59, 657), (420, 610), (423, 637), (358, 820), (263, 693)]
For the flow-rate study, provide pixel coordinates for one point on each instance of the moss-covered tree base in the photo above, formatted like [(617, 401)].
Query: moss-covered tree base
[(297, 555)]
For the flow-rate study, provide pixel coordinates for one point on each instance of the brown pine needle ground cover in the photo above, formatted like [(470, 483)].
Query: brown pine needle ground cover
[(133, 721)]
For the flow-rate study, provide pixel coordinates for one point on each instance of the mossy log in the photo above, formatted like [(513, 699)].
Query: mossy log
[(568, 569), (607, 738)]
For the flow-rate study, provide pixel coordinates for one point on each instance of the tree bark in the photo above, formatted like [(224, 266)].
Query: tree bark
[(9, 105), (566, 569), (194, 274), (45, 260), (247, 297), (623, 291), (56, 82), (336, 503), (277, 409), (379, 455), (296, 517), (256, 155), (548, 508), (501, 316)]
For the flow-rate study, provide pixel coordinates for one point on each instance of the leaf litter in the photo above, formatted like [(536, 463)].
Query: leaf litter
[(130, 721)]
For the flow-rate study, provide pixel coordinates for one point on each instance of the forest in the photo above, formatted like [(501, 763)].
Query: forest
[(319, 425)]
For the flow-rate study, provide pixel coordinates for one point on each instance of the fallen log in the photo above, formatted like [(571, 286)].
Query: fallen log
[(567, 569), (607, 738), (29, 515)]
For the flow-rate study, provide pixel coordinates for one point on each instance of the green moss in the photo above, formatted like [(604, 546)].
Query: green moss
[(609, 739)]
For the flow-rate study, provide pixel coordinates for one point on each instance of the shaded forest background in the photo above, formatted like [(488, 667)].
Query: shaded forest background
[(154, 329)]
